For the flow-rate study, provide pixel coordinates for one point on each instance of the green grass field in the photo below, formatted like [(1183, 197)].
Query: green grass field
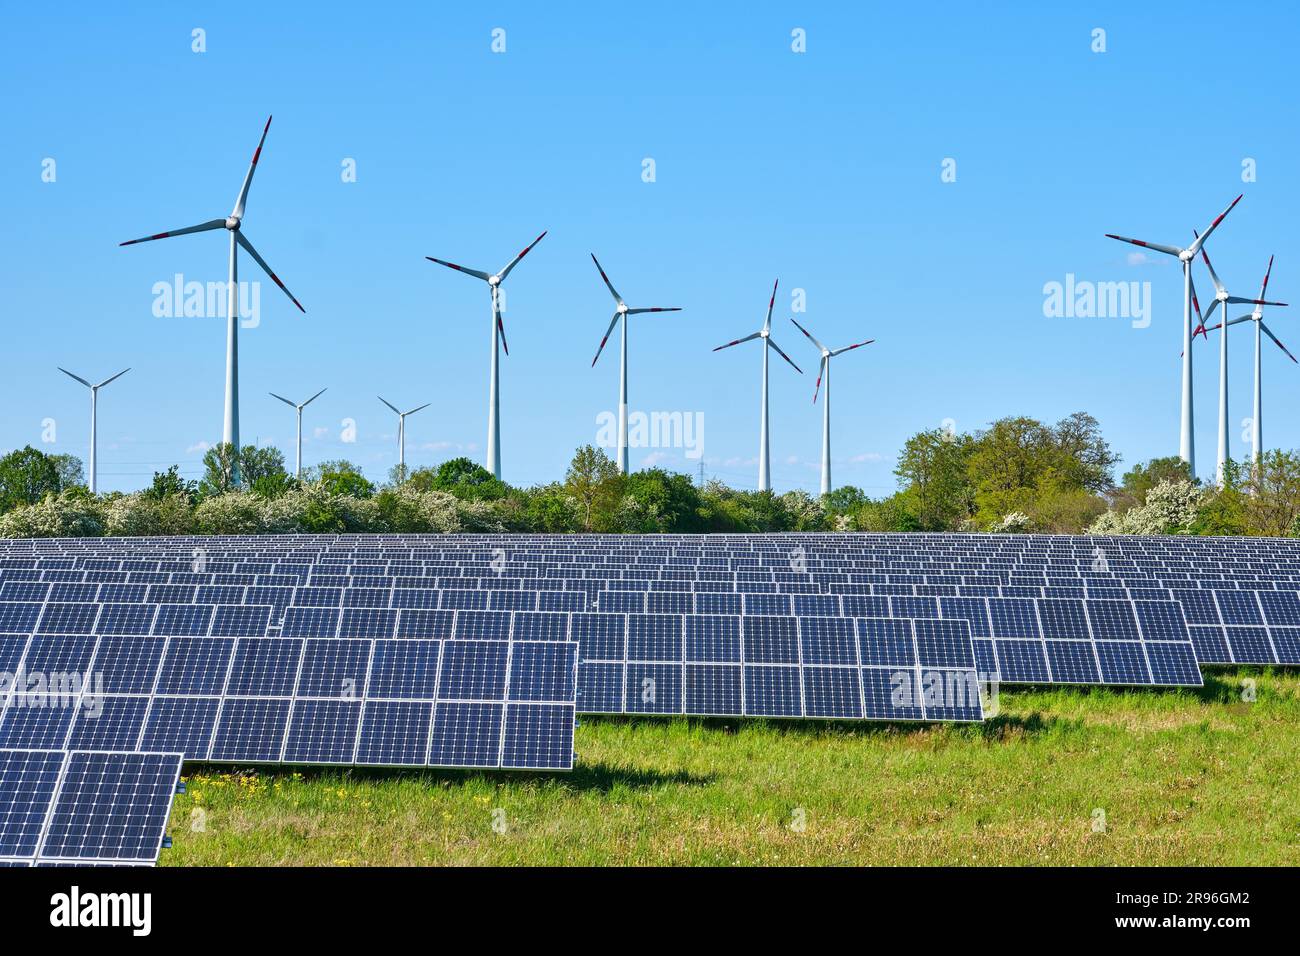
[(1086, 776)]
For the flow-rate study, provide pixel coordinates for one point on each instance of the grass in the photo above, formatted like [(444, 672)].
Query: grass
[(1182, 777)]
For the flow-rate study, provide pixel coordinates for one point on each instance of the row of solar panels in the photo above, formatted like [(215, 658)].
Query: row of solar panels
[(515, 550), (81, 808), (267, 699), (850, 572), (1032, 630), (731, 542), (1227, 626)]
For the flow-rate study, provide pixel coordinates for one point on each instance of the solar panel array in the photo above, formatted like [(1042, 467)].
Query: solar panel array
[(61, 807)]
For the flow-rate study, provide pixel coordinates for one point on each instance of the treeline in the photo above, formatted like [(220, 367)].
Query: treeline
[(1018, 475)]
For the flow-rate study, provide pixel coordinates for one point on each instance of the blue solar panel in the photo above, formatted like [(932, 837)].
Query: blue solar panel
[(84, 808)]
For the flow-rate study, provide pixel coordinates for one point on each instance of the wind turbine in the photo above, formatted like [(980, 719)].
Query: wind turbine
[(498, 337), (94, 426), (1222, 298), (824, 371), (231, 223), (401, 431), (1257, 316), (1186, 441), (621, 312), (297, 461), (765, 333)]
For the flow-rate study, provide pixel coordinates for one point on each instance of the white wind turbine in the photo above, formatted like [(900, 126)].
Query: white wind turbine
[(94, 423), (621, 312), (765, 333), (1223, 298), (401, 431), (1257, 316), (498, 339), (231, 223), (824, 372), (1186, 441), (297, 461)]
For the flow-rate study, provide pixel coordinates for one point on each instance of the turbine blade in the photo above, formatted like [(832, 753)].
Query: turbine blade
[(821, 370), (767, 323), (77, 377), (1168, 250), (850, 348), (609, 285), (783, 355), (248, 247), (737, 341), (1238, 300), (201, 227), (1264, 288), (117, 376), (420, 409), (496, 315), (811, 338), (388, 403), (286, 401), (600, 348), (1199, 329), (1270, 334), (643, 311), (1214, 277), (513, 262), (314, 397), (1200, 240), (451, 265), (238, 211)]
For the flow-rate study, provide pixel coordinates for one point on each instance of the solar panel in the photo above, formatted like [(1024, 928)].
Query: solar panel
[(768, 666), (84, 808)]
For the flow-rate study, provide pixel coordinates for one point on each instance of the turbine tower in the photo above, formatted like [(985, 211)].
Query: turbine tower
[(1222, 298), (1186, 440), (824, 371), (401, 432), (1257, 316), (231, 223), (94, 424), (621, 312), (498, 339), (297, 461), (765, 333)]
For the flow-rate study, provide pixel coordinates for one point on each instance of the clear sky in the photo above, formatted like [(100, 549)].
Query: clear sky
[(823, 168)]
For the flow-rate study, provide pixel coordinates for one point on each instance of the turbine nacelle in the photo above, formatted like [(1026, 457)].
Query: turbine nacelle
[(622, 308), (1186, 255), (765, 333), (232, 223), (494, 281)]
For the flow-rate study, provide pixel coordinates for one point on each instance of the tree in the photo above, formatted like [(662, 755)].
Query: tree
[(594, 480), (26, 476), (71, 472), (463, 478), (932, 467), (659, 501), (170, 482), (218, 470), (1084, 457), (258, 463), (1272, 505), (844, 500), (340, 478), (1141, 478)]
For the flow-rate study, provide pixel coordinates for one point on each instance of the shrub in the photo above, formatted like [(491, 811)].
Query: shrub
[(69, 514)]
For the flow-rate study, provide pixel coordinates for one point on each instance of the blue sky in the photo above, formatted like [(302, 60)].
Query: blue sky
[(822, 168)]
